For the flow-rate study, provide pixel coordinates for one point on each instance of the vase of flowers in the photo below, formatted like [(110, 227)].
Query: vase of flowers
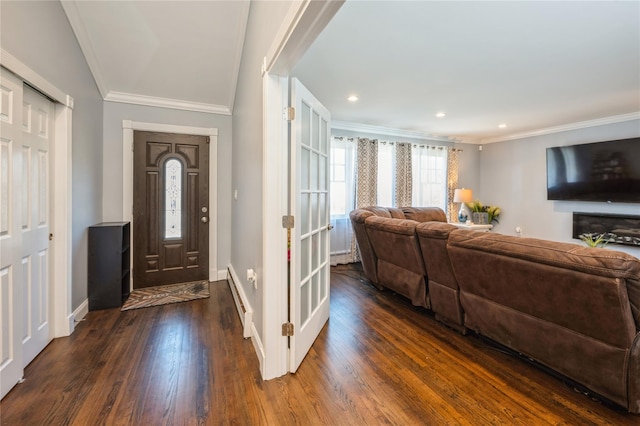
[(482, 214)]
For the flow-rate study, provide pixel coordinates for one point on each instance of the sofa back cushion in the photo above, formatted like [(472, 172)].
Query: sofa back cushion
[(433, 237), (390, 212), (593, 291), (400, 264), (424, 214), (396, 242)]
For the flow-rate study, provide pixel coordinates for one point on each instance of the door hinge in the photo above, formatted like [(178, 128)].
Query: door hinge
[(287, 222), (290, 113), (287, 329), (208, 139)]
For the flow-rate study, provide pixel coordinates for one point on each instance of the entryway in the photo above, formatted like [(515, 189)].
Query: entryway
[(131, 127), (170, 209)]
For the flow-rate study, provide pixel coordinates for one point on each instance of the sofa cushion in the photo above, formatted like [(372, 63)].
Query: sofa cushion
[(425, 214), (400, 265), (389, 212), (395, 240), (443, 287)]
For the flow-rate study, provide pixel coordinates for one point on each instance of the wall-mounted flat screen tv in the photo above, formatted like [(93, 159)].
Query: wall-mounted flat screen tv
[(602, 171)]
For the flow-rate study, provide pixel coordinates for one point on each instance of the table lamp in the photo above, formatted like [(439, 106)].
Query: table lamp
[(463, 196)]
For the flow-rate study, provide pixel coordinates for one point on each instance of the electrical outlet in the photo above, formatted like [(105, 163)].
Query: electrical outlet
[(252, 277)]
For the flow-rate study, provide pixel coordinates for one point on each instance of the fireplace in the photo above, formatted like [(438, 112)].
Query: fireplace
[(615, 228)]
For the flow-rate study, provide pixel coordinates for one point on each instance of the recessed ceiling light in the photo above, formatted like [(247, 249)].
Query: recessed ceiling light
[(502, 126), (352, 98), (441, 114)]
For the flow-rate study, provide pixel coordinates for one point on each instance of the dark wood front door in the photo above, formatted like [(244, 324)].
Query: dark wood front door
[(170, 208)]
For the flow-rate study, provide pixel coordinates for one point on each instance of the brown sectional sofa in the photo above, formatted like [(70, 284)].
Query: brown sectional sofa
[(571, 308)]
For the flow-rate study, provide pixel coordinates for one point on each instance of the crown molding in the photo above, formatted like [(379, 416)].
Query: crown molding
[(73, 15), (389, 131), (566, 127), (130, 98)]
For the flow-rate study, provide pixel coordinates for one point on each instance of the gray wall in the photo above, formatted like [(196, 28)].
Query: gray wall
[(513, 176), (115, 113), (38, 34), (265, 17)]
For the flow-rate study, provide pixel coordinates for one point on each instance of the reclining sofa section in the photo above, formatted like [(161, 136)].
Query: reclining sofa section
[(573, 309), (389, 248)]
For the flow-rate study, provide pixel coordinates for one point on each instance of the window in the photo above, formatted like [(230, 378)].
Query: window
[(173, 199), (342, 166), (429, 179), (386, 174)]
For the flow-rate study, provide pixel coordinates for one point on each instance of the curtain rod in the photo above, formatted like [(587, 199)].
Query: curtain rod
[(352, 139)]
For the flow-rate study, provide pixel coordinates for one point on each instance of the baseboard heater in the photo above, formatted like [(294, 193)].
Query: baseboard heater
[(245, 314)]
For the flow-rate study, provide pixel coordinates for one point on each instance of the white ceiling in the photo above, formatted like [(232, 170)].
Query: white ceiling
[(534, 66), (177, 54)]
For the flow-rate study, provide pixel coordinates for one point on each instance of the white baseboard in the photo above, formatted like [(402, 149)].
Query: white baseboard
[(242, 304), (78, 315), (259, 348)]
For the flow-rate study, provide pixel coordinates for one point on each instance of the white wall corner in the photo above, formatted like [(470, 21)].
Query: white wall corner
[(222, 274)]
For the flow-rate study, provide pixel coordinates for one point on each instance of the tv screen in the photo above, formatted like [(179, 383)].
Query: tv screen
[(602, 171)]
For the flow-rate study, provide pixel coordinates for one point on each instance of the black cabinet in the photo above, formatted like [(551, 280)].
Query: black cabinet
[(109, 269)]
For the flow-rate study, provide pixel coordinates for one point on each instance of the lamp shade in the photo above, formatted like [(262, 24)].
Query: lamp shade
[(462, 196)]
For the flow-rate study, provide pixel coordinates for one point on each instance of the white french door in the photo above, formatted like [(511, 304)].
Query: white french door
[(26, 135), (309, 279)]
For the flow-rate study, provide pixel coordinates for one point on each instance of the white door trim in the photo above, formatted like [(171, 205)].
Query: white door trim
[(62, 317), (274, 241), (128, 127)]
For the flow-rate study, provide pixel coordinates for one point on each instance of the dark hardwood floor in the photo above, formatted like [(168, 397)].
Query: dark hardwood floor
[(379, 360)]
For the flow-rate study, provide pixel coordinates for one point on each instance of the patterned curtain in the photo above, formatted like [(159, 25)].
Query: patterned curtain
[(404, 177), (452, 183), (367, 186), (367, 181)]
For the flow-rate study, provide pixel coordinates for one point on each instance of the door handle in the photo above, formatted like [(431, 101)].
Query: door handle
[(204, 219)]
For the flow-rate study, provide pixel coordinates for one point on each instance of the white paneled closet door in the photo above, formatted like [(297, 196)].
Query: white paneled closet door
[(26, 119)]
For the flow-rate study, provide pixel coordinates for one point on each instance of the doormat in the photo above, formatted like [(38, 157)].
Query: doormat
[(165, 294)]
